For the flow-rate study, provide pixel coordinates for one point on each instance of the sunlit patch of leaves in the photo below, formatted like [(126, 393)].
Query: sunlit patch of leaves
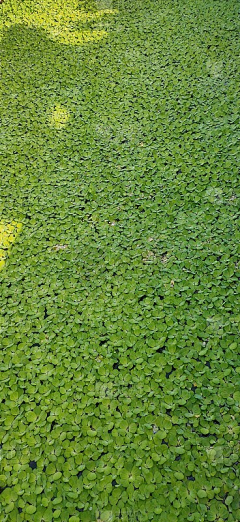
[(66, 25), (8, 235)]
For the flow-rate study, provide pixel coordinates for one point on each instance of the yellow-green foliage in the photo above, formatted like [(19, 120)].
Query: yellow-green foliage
[(120, 298), (8, 234), (63, 22)]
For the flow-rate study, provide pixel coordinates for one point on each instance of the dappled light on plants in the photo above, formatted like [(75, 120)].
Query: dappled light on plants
[(63, 22), (120, 299), (8, 235), (59, 117)]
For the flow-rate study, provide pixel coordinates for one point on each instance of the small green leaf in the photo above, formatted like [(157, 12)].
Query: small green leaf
[(30, 509), (31, 416), (202, 493), (179, 475), (56, 476)]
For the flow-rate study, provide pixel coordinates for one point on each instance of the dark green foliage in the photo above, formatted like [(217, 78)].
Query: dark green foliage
[(120, 297)]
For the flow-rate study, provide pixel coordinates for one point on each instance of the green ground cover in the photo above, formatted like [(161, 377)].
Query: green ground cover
[(119, 258)]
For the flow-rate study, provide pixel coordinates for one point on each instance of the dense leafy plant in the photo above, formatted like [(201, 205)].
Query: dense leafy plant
[(120, 295)]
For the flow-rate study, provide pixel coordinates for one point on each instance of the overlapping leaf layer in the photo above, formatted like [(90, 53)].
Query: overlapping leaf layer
[(120, 296)]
